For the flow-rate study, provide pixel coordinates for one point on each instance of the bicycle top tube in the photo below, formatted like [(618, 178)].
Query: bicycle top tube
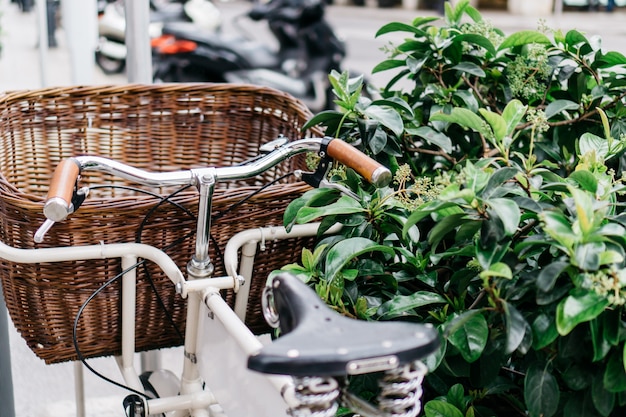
[(59, 205)]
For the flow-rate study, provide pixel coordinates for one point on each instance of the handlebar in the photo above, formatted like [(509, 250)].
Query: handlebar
[(58, 204)]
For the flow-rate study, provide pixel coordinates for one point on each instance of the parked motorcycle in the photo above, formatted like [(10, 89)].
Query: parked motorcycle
[(308, 49), (111, 50)]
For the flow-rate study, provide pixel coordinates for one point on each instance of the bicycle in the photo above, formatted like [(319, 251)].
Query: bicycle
[(227, 370)]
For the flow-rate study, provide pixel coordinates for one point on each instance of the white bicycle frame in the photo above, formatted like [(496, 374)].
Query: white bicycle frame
[(217, 341)]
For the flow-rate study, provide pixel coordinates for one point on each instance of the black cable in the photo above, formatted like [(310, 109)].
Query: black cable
[(75, 332)]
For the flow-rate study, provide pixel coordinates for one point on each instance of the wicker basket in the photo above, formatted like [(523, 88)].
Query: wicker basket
[(158, 128)]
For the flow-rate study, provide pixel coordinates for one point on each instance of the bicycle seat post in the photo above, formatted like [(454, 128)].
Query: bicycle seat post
[(200, 265)]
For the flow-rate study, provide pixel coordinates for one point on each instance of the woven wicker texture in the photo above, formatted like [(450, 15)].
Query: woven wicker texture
[(154, 127)]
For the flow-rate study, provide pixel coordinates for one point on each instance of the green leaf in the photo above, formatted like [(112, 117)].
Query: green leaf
[(558, 106), (610, 59), (423, 212), (478, 40), (497, 123), (344, 205), (614, 373), (589, 142), (601, 346), (524, 37), (386, 116), (512, 115), (603, 400), (395, 102), (469, 333), (443, 227), (346, 250), (579, 308), (399, 27), (574, 38), (497, 178), (497, 269), (464, 118), (438, 408), (468, 99), (544, 331), (559, 228), (585, 179), (387, 65), (549, 274), (470, 68), (433, 137), (541, 392), (588, 256), (508, 212), (516, 327), (399, 305), (316, 196)]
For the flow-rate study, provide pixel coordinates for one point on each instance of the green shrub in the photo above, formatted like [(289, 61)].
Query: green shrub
[(505, 226)]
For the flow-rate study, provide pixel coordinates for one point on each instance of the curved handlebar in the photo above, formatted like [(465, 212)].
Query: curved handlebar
[(59, 203)]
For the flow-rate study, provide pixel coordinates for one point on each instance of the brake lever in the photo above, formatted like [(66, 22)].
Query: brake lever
[(318, 179), (78, 197)]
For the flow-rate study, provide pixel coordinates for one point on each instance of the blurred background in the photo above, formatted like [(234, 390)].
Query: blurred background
[(47, 43)]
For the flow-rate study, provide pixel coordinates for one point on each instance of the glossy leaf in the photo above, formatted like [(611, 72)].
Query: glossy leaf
[(549, 274), (443, 227), (432, 136), (400, 305), (544, 331), (601, 346), (508, 212), (344, 205), (438, 408), (387, 65), (585, 179), (512, 115), (497, 123), (614, 374), (576, 309), (386, 116), (558, 106), (477, 40), (423, 212), (589, 142), (516, 327), (470, 68), (348, 249), (399, 27), (498, 269), (541, 392), (463, 118), (469, 335), (559, 228), (316, 196), (524, 37), (603, 400), (610, 59)]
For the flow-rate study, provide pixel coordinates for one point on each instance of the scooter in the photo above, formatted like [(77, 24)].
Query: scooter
[(308, 50), (111, 49)]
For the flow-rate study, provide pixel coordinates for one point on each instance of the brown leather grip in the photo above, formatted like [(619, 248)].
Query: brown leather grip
[(59, 198), (348, 155)]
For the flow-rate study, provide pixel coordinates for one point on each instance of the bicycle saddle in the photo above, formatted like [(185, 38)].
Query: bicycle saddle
[(317, 341)]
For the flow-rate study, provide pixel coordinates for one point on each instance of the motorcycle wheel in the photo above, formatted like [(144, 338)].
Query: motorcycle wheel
[(110, 65)]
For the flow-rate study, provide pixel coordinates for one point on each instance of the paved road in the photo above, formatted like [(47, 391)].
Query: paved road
[(41, 390)]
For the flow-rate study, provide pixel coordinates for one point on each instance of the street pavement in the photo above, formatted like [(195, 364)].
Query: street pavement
[(48, 391)]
